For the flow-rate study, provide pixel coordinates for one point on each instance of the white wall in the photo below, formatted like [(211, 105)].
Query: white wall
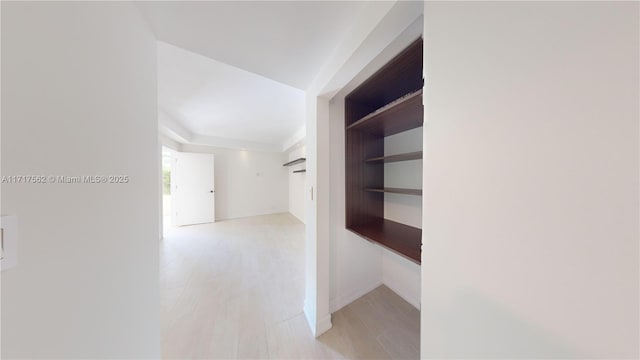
[(296, 182), (531, 176), (79, 98), (248, 183), (355, 263)]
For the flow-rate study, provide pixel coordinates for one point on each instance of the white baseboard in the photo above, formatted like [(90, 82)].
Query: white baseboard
[(323, 325), (318, 327), (296, 216), (249, 216), (353, 294), (405, 294)]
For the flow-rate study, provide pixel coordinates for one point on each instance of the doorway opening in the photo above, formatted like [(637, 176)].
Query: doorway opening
[(192, 188), (166, 187)]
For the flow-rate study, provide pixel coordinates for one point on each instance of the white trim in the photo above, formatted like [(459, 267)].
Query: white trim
[(405, 294), (169, 143), (317, 327), (234, 143), (310, 315), (352, 295), (323, 325), (248, 216), (296, 138), (172, 128)]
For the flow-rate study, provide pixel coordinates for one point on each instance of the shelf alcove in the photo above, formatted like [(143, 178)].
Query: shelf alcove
[(388, 103)]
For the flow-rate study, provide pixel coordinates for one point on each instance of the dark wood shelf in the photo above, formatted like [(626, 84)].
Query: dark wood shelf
[(396, 191), (399, 157), (400, 76), (296, 161), (401, 115), (400, 238), (300, 171), (387, 103)]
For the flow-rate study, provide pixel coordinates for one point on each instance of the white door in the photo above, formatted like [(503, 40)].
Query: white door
[(193, 188)]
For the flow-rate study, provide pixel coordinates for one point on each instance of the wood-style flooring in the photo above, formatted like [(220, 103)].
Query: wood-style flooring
[(235, 290)]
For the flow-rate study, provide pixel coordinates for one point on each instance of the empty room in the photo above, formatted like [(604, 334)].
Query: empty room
[(320, 180)]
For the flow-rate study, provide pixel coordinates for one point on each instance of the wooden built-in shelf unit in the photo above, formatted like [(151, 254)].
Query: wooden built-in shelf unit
[(388, 103), (399, 157), (397, 191), (296, 162)]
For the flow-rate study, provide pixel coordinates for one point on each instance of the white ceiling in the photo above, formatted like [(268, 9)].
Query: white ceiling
[(234, 72), (216, 100), (287, 41)]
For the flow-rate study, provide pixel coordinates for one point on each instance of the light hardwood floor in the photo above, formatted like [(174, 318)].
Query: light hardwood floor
[(235, 289)]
